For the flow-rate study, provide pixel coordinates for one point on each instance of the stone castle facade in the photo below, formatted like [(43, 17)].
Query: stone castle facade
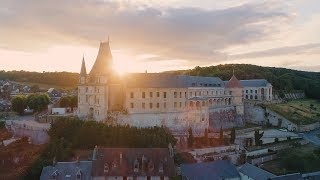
[(156, 99)]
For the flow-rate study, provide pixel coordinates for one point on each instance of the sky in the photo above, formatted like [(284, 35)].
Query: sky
[(154, 35)]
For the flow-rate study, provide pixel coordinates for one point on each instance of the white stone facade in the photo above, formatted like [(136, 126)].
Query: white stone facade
[(156, 99)]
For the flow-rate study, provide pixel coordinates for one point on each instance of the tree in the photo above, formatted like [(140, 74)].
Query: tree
[(38, 102), (19, 103), (257, 137), (190, 138), (232, 135), (65, 102)]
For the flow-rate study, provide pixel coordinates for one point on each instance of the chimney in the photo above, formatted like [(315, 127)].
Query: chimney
[(94, 153), (143, 163), (77, 161), (120, 158)]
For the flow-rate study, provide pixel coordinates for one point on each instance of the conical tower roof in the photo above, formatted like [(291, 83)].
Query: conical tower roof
[(103, 63), (83, 71), (233, 83)]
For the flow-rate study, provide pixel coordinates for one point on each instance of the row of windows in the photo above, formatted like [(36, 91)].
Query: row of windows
[(157, 105), (181, 94)]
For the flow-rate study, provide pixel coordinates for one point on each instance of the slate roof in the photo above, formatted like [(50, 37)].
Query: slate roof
[(83, 71), (255, 172), (220, 169), (254, 83), (166, 80), (295, 176), (103, 63), (64, 169), (154, 158)]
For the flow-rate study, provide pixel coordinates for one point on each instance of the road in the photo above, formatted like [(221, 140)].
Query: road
[(312, 137)]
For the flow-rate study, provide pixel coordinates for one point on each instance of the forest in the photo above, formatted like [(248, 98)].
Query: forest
[(70, 134), (282, 79)]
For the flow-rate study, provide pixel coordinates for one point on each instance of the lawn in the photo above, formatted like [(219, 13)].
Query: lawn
[(306, 111), (300, 159)]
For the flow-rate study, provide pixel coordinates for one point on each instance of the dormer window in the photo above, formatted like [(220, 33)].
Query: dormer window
[(106, 168), (79, 175), (160, 168), (55, 174), (136, 166)]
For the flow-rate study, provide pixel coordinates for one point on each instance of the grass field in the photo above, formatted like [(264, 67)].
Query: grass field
[(301, 159), (306, 111)]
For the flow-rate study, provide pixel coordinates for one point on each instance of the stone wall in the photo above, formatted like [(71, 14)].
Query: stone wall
[(260, 160)]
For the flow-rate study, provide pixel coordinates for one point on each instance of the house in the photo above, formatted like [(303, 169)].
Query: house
[(221, 169), (132, 163), (75, 170), (53, 93), (251, 172)]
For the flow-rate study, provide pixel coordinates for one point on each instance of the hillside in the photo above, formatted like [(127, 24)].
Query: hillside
[(46, 79), (281, 78)]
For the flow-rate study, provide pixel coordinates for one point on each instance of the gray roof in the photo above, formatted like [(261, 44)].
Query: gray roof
[(255, 172), (254, 83), (166, 80), (64, 169), (221, 169), (295, 176)]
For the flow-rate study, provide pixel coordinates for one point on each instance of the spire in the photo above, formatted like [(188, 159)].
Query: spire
[(103, 63), (83, 71)]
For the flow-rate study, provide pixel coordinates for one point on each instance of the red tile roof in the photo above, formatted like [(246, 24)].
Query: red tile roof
[(233, 83), (120, 162)]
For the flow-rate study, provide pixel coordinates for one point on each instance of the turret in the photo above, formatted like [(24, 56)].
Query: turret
[(235, 89), (83, 72)]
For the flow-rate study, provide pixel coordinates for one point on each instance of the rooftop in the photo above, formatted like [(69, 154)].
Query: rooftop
[(221, 169)]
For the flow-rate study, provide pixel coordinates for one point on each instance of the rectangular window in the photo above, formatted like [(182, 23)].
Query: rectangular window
[(175, 104), (256, 91), (158, 105), (143, 95), (185, 94), (180, 94), (246, 91), (158, 94), (175, 94), (143, 105), (131, 105), (151, 94), (180, 104), (131, 95), (251, 91), (165, 105), (164, 94), (150, 105), (190, 94), (200, 93)]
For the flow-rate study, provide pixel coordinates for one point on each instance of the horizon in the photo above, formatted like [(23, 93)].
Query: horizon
[(159, 36), (163, 71)]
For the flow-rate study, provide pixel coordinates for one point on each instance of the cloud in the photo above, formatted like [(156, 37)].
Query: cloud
[(281, 51), (194, 34)]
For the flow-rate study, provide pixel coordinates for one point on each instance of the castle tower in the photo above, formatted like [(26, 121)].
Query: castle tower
[(236, 90), (93, 88)]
